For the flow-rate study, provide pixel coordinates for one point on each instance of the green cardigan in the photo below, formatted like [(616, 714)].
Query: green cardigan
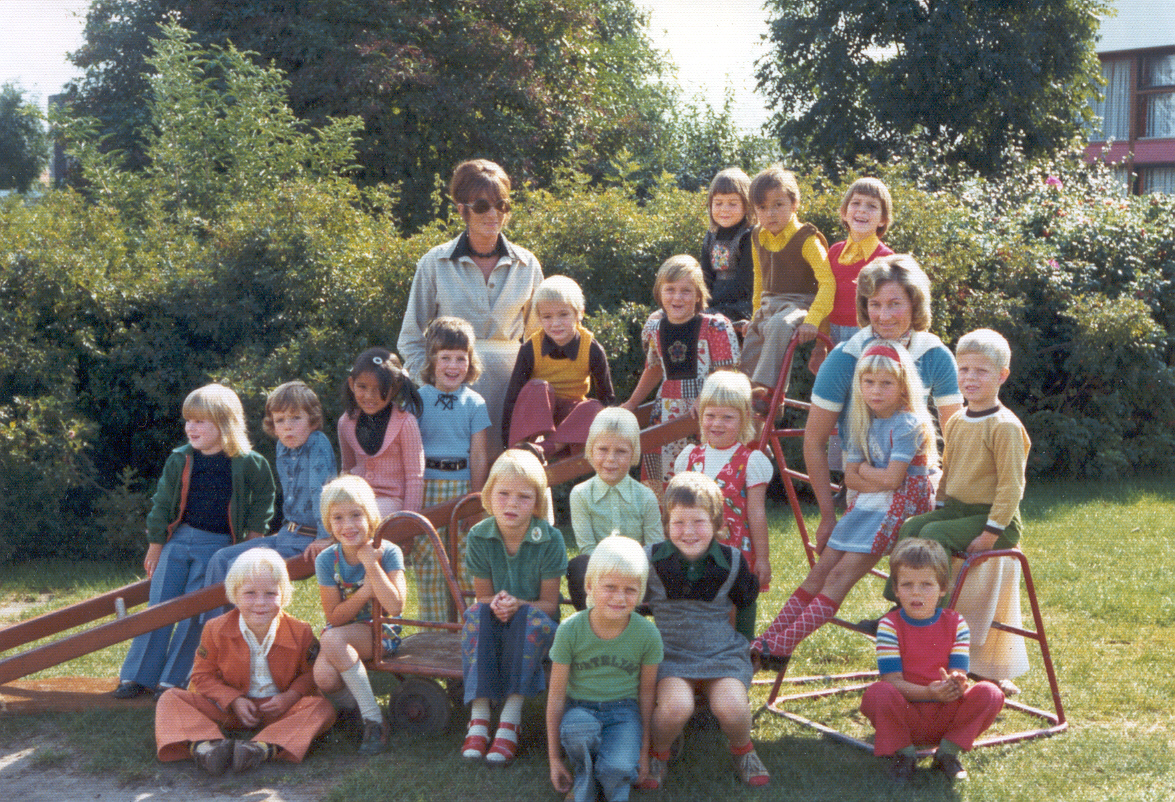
[(250, 507)]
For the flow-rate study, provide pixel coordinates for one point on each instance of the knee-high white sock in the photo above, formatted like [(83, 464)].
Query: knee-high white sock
[(355, 678)]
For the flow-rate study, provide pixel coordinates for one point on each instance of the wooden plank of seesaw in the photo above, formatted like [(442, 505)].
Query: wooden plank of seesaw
[(81, 643), (75, 615)]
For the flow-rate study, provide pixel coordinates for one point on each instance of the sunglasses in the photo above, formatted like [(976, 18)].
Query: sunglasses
[(481, 206)]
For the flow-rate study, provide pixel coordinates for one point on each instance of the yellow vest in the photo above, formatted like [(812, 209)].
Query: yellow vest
[(569, 378)]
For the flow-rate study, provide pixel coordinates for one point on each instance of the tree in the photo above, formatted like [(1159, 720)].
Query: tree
[(24, 147), (528, 83), (980, 79)]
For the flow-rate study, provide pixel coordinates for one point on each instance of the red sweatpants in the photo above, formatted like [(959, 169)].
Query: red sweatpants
[(900, 723)]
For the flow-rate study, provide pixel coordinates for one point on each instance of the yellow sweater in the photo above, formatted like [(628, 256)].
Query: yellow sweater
[(983, 461)]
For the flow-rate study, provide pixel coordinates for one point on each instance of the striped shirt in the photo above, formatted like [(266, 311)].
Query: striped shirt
[(918, 648)]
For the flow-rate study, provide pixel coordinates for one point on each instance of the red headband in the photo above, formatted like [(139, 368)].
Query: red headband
[(883, 350)]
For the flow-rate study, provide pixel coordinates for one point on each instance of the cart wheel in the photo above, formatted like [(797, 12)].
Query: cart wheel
[(420, 706)]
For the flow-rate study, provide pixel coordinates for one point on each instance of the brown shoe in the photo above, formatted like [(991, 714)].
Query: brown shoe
[(901, 768), (214, 756), (950, 766), (375, 737), (248, 755)]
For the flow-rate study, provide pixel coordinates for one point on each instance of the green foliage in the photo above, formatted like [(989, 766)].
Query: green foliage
[(609, 240), (528, 84), (1078, 278), (979, 80), (24, 146), (619, 332), (120, 515)]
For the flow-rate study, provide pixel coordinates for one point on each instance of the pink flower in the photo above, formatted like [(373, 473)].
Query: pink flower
[(1053, 181)]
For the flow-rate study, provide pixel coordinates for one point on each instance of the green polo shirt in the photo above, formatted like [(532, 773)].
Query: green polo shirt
[(541, 556)]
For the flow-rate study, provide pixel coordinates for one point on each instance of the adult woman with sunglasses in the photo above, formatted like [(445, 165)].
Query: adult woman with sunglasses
[(479, 276)]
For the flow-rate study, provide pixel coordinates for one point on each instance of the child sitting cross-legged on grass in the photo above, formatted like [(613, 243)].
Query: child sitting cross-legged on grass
[(603, 677), (924, 696), (253, 671)]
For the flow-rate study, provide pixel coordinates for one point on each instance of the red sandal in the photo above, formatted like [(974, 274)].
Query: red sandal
[(474, 746), (503, 750)]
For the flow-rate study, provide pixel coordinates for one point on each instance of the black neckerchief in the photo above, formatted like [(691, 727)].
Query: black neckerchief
[(370, 430)]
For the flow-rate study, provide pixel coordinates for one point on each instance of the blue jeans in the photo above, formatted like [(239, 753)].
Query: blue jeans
[(603, 743), (498, 659), (286, 543), (161, 656)]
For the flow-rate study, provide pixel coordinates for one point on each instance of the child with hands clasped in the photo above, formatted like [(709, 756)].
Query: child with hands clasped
[(603, 677), (517, 561), (214, 491), (888, 464), (350, 574), (794, 286), (611, 502), (683, 345), (454, 428), (694, 584), (742, 472), (379, 439), (555, 370), (305, 462), (253, 671), (727, 261), (985, 453), (924, 696)]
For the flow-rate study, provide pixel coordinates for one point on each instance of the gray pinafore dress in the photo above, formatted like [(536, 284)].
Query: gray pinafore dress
[(700, 642)]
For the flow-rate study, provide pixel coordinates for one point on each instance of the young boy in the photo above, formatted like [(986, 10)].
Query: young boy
[(611, 502), (253, 671), (305, 462), (794, 286), (924, 696), (554, 371), (694, 585), (603, 676)]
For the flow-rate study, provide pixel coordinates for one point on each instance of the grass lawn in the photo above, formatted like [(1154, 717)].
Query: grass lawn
[(1100, 557)]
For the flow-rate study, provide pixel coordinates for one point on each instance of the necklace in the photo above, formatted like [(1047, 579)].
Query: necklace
[(478, 254)]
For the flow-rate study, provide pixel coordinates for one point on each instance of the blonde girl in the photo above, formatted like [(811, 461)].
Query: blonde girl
[(516, 560), (453, 427), (214, 491), (742, 473), (379, 438), (889, 459), (683, 345), (350, 573)]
